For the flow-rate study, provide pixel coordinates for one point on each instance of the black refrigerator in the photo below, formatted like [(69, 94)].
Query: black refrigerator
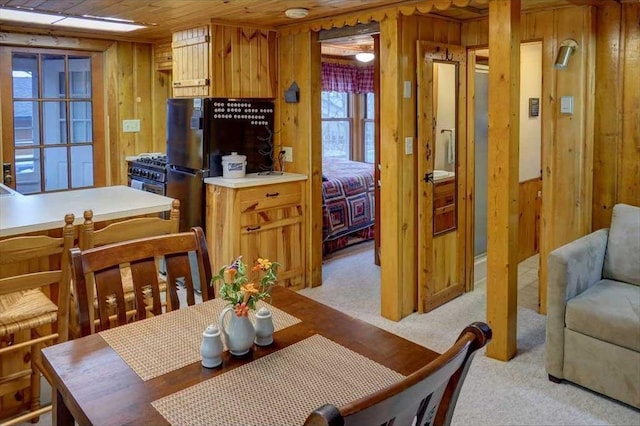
[(199, 132)]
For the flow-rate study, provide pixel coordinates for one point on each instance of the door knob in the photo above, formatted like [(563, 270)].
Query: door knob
[(7, 179)]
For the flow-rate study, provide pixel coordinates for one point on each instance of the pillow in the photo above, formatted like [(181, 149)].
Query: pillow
[(324, 178), (621, 261)]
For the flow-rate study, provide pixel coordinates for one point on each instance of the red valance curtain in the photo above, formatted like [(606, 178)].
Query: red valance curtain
[(347, 78)]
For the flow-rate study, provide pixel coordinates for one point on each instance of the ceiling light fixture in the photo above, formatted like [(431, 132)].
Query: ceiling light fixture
[(87, 22), (365, 56), (296, 13)]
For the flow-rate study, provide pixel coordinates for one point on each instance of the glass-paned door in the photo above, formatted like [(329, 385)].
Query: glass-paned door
[(53, 120)]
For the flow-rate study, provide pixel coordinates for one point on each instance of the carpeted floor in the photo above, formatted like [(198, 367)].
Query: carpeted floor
[(495, 393)]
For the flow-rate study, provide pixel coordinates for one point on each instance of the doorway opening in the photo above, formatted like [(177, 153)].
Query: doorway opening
[(349, 139)]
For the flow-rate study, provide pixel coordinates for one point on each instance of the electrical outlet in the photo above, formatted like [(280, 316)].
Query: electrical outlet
[(130, 126), (288, 153)]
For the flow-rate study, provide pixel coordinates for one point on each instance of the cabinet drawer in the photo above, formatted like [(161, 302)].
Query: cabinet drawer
[(444, 193), (269, 196)]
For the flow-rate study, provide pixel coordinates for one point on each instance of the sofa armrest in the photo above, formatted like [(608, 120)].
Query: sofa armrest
[(572, 269)]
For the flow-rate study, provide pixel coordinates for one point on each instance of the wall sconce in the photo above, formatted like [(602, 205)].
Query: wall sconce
[(567, 48)]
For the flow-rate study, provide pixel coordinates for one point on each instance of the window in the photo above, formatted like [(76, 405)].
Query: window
[(348, 112), (348, 128), (336, 125), (52, 121)]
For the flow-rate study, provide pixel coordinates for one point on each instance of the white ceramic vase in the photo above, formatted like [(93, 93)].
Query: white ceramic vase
[(239, 332)]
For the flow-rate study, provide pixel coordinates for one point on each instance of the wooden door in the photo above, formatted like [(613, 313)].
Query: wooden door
[(441, 230), (52, 119)]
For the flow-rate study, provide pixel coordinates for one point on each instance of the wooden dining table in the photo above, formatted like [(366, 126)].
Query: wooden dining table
[(93, 384)]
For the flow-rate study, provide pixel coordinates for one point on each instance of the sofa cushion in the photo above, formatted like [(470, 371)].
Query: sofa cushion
[(608, 311), (622, 259)]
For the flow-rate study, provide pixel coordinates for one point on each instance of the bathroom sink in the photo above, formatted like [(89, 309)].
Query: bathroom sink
[(437, 174)]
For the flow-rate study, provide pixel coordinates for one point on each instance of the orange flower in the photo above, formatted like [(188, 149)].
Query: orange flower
[(264, 263), (229, 274), (248, 290), (242, 310)]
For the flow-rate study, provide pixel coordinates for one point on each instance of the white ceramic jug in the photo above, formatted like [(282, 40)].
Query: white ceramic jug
[(239, 334)]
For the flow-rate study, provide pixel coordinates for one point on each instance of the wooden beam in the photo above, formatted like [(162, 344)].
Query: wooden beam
[(502, 202), (392, 285)]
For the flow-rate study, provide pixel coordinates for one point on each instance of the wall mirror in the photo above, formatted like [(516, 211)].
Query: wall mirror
[(445, 116)]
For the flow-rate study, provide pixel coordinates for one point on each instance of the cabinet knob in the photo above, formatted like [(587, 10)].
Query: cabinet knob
[(252, 228), (272, 194)]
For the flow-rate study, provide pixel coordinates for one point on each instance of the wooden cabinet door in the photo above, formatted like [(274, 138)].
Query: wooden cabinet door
[(277, 235), (243, 62), (191, 62)]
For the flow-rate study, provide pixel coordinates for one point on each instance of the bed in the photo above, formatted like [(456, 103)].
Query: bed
[(348, 212)]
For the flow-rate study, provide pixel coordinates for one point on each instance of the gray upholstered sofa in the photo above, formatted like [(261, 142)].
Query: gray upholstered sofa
[(593, 309)]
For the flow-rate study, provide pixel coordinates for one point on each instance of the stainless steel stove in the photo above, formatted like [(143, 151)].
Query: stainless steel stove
[(149, 173)]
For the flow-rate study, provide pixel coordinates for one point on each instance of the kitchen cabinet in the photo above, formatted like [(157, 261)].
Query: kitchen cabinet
[(191, 62), (264, 220), (224, 61)]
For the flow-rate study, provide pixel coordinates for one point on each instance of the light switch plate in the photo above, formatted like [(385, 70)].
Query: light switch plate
[(566, 104), (407, 89), (408, 145), (130, 126)]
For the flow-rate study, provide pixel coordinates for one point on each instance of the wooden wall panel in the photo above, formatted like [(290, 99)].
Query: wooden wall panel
[(162, 90), (163, 56), (617, 112), (298, 125), (243, 62), (608, 119), (129, 75), (629, 187)]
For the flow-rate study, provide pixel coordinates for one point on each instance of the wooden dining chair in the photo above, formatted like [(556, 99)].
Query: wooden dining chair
[(104, 266), (426, 397), (34, 311), (130, 229)]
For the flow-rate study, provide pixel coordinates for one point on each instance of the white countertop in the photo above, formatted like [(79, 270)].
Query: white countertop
[(20, 214), (255, 179)]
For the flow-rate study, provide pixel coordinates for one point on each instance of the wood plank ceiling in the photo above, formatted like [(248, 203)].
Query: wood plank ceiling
[(171, 15)]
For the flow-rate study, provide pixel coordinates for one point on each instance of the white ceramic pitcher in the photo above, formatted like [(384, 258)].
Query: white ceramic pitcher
[(239, 334)]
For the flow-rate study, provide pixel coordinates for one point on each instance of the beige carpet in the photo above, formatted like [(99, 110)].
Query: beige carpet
[(495, 393)]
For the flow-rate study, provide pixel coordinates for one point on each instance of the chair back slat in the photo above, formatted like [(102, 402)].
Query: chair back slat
[(29, 281), (183, 258), (130, 229), (426, 397), (109, 292)]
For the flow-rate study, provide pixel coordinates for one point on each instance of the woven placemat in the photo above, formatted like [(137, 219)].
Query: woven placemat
[(282, 388), (158, 345)]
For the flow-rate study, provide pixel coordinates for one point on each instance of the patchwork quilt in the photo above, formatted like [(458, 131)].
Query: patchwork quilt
[(348, 198)]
